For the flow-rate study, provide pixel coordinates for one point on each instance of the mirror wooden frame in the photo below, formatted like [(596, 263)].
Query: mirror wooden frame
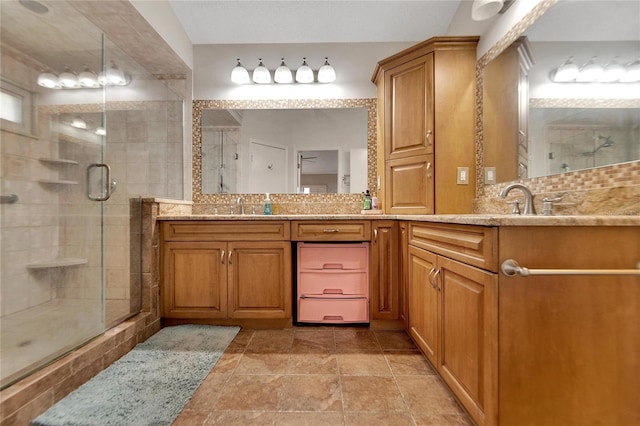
[(199, 105)]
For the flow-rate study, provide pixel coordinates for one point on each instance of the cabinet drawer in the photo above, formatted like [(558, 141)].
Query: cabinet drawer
[(333, 256), (333, 282), (333, 311), (474, 245), (331, 230), (232, 230)]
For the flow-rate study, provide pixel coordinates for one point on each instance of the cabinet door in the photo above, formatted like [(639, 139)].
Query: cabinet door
[(259, 279), (468, 315), (409, 113), (409, 185), (424, 302), (194, 281), (384, 270)]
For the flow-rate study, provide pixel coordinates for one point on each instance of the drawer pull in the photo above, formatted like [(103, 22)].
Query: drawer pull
[(222, 257), (321, 297), (332, 291), (333, 318), (332, 266), (330, 230)]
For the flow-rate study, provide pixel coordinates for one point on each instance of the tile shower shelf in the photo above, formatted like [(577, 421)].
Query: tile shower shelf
[(57, 161), (57, 263), (57, 182)]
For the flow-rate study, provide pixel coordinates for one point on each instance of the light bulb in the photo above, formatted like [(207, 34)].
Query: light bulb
[(304, 74), (589, 72), (261, 74), (283, 74), (632, 73), (239, 74), (88, 78), (79, 123), (68, 79), (326, 73), (101, 131), (115, 76), (566, 72), (612, 72), (48, 80)]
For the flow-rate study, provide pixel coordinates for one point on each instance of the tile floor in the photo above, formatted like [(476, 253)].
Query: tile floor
[(322, 376)]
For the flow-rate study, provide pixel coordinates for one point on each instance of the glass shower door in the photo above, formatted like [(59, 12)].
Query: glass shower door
[(51, 232)]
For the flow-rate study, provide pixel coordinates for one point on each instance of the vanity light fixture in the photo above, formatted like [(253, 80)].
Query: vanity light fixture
[(326, 73), (283, 74), (482, 10), (86, 79), (239, 74), (261, 74), (304, 74), (593, 72)]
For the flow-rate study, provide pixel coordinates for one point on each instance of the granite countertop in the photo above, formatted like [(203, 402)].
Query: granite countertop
[(465, 219)]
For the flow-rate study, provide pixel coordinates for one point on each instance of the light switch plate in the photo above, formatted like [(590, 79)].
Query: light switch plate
[(463, 176), (489, 175)]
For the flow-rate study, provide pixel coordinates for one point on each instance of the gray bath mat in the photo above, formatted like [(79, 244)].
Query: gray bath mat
[(150, 385)]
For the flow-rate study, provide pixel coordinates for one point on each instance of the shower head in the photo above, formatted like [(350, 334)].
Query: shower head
[(606, 144)]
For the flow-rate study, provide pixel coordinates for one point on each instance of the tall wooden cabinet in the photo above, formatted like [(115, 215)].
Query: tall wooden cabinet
[(219, 270), (426, 119)]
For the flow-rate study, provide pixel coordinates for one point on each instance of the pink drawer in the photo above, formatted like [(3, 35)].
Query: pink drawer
[(333, 311), (333, 282), (333, 256)]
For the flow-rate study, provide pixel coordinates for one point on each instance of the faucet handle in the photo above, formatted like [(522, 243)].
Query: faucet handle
[(547, 205), (516, 206)]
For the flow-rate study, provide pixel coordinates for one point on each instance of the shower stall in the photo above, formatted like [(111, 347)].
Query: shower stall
[(85, 132)]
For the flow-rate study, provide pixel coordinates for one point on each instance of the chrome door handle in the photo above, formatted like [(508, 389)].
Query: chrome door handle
[(108, 185)]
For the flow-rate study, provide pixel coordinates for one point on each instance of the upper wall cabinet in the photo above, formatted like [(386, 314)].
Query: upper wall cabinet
[(426, 127)]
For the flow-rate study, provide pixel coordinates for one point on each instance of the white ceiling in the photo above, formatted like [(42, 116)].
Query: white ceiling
[(313, 21)]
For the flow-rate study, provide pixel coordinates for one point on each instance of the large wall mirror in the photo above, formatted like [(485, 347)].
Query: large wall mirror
[(535, 126), (283, 147)]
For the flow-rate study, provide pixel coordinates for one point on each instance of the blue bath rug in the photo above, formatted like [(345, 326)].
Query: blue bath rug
[(148, 386)]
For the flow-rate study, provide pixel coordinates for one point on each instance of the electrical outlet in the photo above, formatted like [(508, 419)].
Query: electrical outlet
[(463, 176), (489, 175)]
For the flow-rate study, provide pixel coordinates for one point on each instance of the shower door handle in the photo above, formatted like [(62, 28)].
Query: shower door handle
[(108, 186)]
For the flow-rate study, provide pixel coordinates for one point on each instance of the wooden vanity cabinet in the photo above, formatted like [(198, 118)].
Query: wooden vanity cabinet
[(226, 270), (426, 119), (453, 308)]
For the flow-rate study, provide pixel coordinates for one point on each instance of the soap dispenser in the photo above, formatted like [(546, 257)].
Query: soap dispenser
[(267, 205), (367, 200)]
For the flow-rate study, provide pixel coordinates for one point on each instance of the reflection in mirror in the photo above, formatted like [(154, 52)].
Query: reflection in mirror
[(255, 151), (568, 139), (317, 172), (535, 127)]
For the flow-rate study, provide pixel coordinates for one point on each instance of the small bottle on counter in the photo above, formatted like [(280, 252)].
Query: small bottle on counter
[(267, 205), (367, 200), (374, 203)]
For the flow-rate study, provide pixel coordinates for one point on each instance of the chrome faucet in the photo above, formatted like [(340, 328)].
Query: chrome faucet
[(528, 196), (240, 205)]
